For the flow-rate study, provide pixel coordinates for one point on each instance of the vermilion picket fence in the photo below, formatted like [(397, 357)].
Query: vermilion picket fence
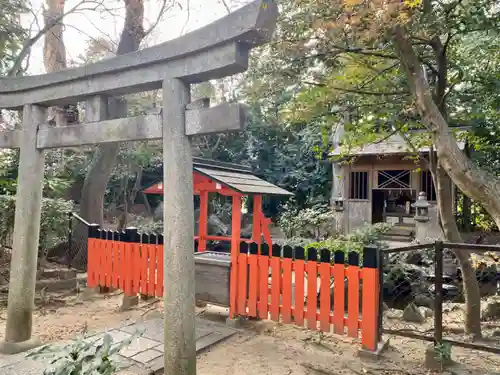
[(126, 260), (313, 288), (288, 285)]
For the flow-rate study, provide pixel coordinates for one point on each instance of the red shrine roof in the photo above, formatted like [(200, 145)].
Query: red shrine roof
[(235, 177)]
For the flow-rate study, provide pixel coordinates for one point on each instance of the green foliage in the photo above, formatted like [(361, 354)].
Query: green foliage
[(55, 182), (369, 235), (355, 241), (442, 351), (82, 357), (12, 34), (308, 222), (295, 242), (53, 223), (290, 157), (146, 225)]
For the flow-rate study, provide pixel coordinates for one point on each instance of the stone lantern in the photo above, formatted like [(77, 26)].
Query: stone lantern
[(421, 208), (338, 205)]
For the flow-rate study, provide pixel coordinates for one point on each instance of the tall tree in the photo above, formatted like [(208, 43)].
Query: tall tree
[(96, 181), (54, 50), (392, 65)]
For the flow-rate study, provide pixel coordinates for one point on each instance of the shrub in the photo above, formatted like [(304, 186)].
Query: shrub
[(81, 357), (146, 225), (356, 241), (53, 223), (295, 242), (307, 223)]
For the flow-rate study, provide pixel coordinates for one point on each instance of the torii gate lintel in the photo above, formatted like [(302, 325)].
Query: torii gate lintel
[(214, 51)]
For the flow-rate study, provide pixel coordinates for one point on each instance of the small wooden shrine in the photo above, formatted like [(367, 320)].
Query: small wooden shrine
[(231, 180)]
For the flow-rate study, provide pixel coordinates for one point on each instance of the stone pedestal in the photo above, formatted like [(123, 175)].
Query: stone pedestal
[(128, 302), (338, 221), (427, 228)]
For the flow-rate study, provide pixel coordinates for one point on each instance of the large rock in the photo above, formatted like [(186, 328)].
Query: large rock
[(402, 282), (426, 312), (425, 300), (490, 309), (215, 225), (415, 257), (394, 314), (413, 314), (451, 293)]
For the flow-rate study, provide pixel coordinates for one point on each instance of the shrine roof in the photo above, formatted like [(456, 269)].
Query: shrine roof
[(395, 144), (237, 177)]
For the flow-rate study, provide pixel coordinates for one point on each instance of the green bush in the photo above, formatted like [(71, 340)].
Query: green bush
[(355, 241), (146, 224), (53, 223), (83, 357), (312, 222)]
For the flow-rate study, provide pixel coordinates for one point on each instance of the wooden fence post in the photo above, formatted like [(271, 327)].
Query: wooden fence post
[(370, 295), (92, 257)]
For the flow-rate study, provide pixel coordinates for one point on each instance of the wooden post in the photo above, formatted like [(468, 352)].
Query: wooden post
[(179, 295), (202, 225), (26, 236), (257, 220), (235, 252)]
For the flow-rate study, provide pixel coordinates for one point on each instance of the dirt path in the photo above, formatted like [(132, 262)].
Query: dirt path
[(262, 348), (288, 350), (65, 317)]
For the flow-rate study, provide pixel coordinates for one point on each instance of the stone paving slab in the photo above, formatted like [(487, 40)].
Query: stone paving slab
[(144, 355)]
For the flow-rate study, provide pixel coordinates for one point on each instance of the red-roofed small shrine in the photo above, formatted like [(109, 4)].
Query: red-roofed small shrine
[(235, 181)]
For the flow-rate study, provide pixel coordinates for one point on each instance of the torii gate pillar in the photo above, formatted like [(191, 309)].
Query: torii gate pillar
[(217, 50), (178, 256)]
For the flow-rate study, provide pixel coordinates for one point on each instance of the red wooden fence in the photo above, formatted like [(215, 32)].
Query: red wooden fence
[(288, 285), (126, 260)]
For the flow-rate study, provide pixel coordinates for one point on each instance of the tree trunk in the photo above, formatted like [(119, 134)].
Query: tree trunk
[(54, 50), (476, 183), (54, 59), (96, 181), (129, 198), (471, 287), (466, 202), (452, 162)]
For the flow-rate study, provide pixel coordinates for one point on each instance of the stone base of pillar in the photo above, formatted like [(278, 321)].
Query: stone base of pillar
[(236, 322), (338, 222), (145, 297), (104, 289), (129, 302), (19, 347), (200, 303)]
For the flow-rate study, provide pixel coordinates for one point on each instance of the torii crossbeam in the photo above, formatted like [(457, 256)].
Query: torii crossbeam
[(214, 51)]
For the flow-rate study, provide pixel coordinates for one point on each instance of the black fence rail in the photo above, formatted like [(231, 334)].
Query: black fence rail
[(6, 241), (424, 293), (78, 235), (73, 251)]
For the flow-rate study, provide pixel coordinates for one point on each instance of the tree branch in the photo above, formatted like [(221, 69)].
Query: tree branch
[(355, 91), (228, 10), (471, 180), (162, 11), (31, 42)]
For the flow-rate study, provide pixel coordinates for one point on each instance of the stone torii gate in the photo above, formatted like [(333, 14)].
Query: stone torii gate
[(217, 50)]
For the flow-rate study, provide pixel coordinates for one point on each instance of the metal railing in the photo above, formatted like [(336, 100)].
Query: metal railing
[(428, 278)]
